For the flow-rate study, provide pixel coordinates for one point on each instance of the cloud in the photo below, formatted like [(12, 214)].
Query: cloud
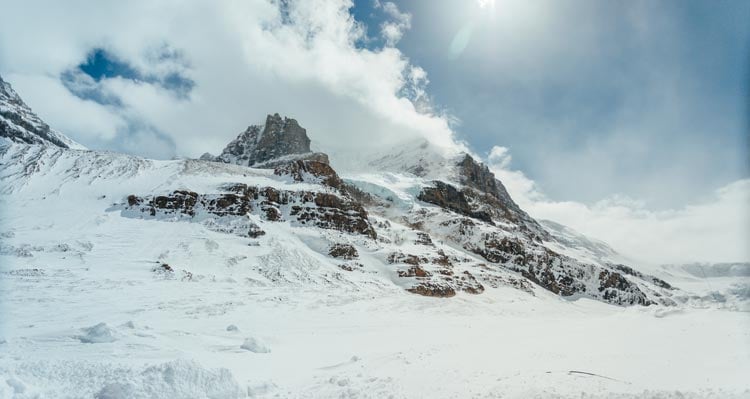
[(250, 58), (499, 157), (714, 230), (393, 30), (65, 111), (661, 116)]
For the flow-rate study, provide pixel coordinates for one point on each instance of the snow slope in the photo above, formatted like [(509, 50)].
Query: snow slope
[(98, 302)]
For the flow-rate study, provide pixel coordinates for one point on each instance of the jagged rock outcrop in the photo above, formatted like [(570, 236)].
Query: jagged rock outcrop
[(435, 273), (316, 172), (343, 251), (478, 176), (482, 197), (310, 171), (21, 125), (319, 209), (465, 202), (279, 141)]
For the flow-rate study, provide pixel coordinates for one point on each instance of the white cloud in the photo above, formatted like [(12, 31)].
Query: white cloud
[(500, 157), (715, 230), (393, 30), (247, 59), (70, 113)]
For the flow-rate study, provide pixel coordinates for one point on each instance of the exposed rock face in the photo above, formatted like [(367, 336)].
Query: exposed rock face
[(225, 213), (318, 209), (278, 141), (483, 197), (423, 239), (482, 219), (334, 212), (478, 176), (343, 251), (432, 289), (632, 272), (310, 171), (20, 124), (434, 275), (558, 273), (316, 172), (463, 201)]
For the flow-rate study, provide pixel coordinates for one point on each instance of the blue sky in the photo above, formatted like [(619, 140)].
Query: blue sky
[(647, 99)]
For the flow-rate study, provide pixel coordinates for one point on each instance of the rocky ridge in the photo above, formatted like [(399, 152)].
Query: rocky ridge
[(478, 215), (470, 209), (21, 125)]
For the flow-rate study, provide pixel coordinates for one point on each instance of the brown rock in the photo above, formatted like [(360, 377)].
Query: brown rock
[(414, 271), (343, 251), (433, 290), (301, 169)]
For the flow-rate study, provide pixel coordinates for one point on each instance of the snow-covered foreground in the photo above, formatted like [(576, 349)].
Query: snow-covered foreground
[(89, 310), (330, 344)]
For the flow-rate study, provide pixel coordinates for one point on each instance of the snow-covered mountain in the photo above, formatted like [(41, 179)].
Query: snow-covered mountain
[(434, 236), (436, 239), (92, 240)]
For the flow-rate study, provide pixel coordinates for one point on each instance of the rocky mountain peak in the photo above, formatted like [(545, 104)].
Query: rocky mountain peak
[(21, 125), (482, 197), (279, 140), (478, 176)]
